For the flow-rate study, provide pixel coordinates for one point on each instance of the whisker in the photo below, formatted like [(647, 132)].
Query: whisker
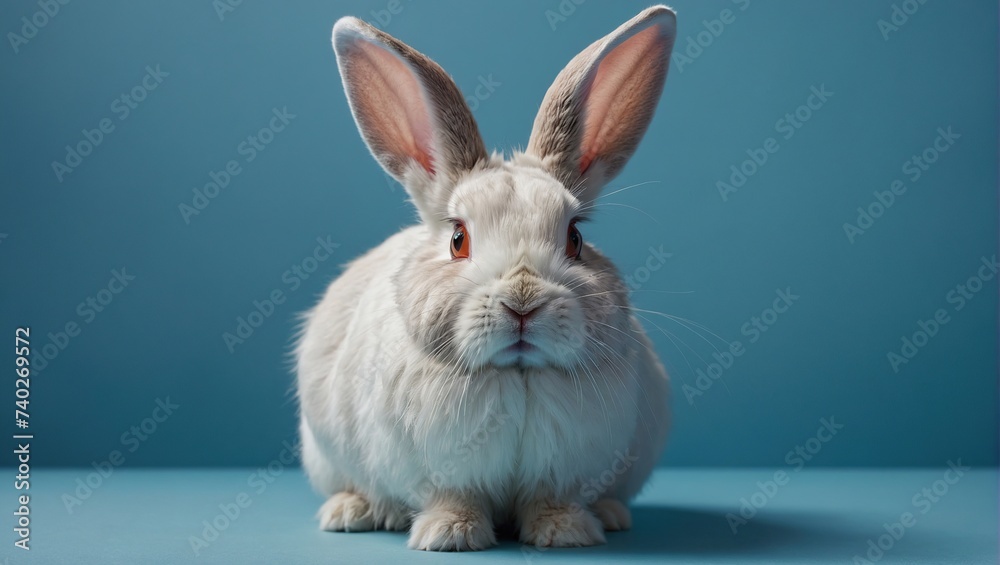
[(678, 320), (627, 188)]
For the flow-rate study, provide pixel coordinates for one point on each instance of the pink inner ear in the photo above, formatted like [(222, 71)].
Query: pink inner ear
[(392, 100), (626, 80)]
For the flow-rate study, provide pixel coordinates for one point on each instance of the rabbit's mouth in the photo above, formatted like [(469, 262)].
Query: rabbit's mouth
[(521, 346), (522, 353)]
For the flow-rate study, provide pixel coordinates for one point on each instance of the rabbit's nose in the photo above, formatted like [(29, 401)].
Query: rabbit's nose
[(521, 314)]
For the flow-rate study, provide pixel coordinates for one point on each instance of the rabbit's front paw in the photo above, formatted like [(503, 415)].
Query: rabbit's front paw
[(451, 529), (561, 525), (346, 512)]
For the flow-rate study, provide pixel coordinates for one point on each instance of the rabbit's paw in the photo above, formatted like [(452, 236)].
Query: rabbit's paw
[(561, 525), (346, 512), (451, 529)]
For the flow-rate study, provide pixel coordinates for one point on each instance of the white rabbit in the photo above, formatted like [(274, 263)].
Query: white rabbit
[(484, 367)]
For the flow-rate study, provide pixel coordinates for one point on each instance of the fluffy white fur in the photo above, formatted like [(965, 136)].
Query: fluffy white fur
[(415, 411)]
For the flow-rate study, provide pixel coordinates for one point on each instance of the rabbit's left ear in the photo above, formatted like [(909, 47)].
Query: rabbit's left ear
[(597, 110), (410, 113)]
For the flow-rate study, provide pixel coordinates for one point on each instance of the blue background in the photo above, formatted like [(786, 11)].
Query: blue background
[(826, 357)]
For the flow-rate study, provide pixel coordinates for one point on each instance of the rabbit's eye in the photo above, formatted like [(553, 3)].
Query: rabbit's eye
[(460, 243), (574, 242)]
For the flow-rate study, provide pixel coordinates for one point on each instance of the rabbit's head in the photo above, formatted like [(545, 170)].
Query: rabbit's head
[(502, 275)]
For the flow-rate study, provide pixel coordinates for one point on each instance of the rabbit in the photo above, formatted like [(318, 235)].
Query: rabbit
[(483, 368)]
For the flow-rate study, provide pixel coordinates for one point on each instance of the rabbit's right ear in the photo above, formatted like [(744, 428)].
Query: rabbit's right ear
[(597, 110), (410, 113)]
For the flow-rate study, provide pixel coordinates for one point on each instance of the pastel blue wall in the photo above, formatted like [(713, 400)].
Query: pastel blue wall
[(889, 94)]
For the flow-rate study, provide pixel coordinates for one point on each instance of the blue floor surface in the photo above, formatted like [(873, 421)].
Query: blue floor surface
[(818, 516)]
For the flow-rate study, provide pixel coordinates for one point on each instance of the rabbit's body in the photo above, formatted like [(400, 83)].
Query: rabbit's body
[(484, 366), (383, 418)]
